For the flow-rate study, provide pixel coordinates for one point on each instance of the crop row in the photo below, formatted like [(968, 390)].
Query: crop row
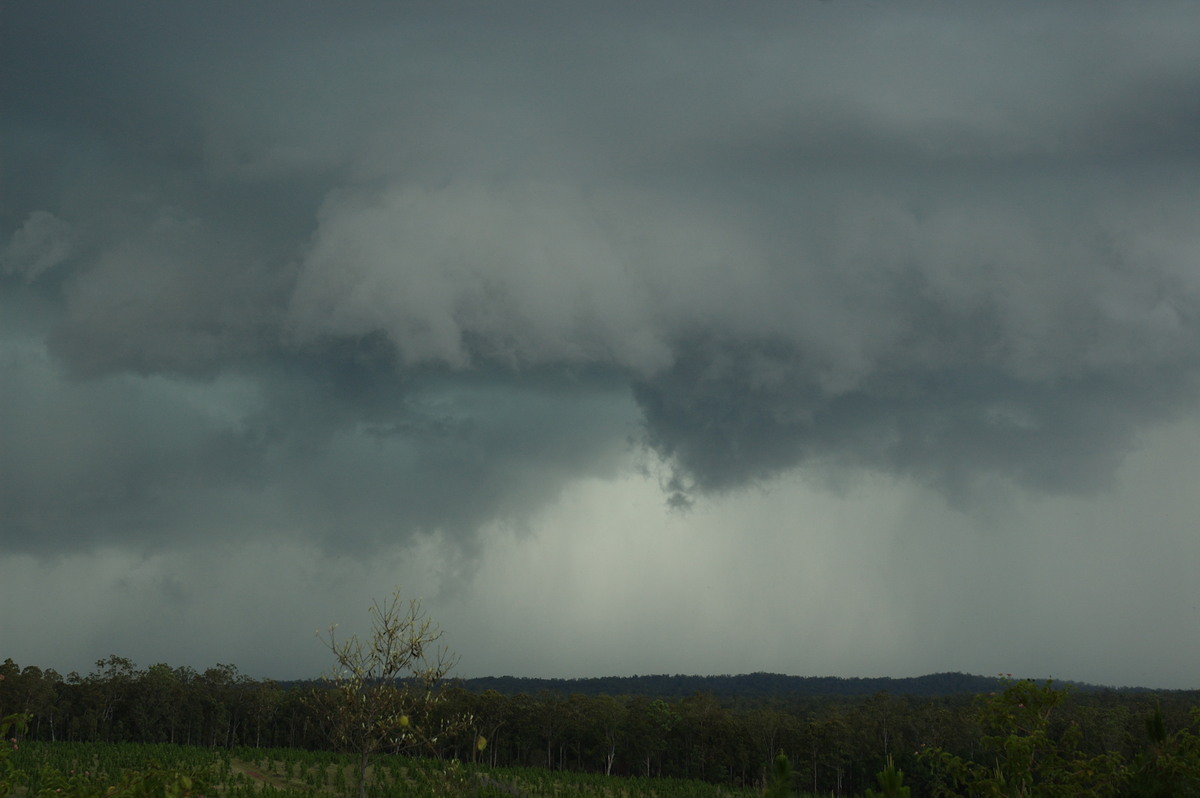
[(254, 773)]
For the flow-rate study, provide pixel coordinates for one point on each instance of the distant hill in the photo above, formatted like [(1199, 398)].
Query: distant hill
[(745, 686), (750, 687)]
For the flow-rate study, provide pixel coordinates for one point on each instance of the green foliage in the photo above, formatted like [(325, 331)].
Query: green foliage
[(891, 783), (1169, 766), (1021, 757), (10, 727), (151, 781), (128, 770), (781, 777), (99, 770)]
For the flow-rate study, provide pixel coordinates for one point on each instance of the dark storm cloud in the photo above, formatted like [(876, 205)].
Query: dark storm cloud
[(334, 442), (1024, 330), (397, 268), (724, 425)]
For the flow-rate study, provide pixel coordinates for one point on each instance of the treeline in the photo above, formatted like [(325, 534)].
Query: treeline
[(836, 744), (742, 688), (119, 702)]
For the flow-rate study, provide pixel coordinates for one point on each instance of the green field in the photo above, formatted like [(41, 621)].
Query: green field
[(94, 769)]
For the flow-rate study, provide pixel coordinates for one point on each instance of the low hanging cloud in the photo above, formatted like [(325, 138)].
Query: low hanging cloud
[(997, 336), (422, 276), (992, 342), (518, 275)]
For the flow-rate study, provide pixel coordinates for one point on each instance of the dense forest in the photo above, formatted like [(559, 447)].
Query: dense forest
[(743, 688), (836, 736)]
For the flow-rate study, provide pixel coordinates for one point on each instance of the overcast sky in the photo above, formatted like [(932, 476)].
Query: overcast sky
[(826, 338)]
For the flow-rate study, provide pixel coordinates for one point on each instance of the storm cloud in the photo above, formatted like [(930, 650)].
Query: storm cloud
[(364, 276)]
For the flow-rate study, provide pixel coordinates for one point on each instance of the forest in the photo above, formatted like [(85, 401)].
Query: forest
[(1056, 739)]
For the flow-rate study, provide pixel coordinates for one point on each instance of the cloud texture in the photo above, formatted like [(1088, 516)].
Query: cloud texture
[(382, 274)]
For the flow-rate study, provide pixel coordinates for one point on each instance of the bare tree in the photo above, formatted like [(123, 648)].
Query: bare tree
[(383, 687)]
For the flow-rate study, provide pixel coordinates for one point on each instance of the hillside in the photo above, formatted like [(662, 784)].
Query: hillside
[(744, 686)]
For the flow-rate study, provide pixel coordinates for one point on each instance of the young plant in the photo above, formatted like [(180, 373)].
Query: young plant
[(781, 777), (10, 727), (891, 783)]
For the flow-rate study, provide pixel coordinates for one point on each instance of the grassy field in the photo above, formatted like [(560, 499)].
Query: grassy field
[(91, 769)]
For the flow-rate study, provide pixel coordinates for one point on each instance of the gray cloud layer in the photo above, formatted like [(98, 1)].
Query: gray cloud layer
[(372, 270)]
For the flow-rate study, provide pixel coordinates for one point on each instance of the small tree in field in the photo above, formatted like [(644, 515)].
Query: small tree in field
[(781, 777), (384, 686)]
